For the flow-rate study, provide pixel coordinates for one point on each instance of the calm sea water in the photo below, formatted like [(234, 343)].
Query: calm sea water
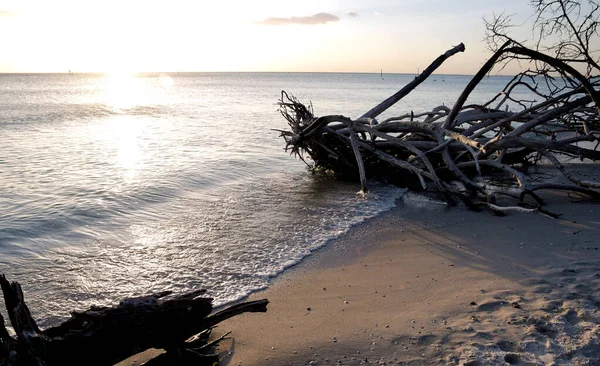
[(117, 186)]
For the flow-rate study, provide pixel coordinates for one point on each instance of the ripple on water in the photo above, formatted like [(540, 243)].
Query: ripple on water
[(115, 188), (230, 239)]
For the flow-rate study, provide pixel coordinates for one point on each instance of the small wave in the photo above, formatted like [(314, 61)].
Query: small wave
[(232, 244), (106, 197), (50, 114), (140, 110)]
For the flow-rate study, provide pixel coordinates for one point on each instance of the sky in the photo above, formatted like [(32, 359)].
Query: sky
[(398, 36)]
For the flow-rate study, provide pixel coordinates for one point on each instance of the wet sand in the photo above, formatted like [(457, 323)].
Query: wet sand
[(427, 284)]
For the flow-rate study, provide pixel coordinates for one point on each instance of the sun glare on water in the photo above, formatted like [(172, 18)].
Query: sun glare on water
[(122, 90), (130, 98), (126, 142)]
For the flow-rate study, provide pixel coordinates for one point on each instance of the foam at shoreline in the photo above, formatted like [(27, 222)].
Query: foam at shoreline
[(449, 287)]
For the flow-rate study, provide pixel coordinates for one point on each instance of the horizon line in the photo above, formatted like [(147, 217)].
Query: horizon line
[(229, 72)]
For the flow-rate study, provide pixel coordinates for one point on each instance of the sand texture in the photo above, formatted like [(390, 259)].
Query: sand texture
[(427, 284)]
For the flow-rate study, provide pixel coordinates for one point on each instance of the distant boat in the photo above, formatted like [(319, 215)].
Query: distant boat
[(381, 74)]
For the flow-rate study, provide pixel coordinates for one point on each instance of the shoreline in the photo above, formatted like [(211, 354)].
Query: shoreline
[(436, 291), (448, 286)]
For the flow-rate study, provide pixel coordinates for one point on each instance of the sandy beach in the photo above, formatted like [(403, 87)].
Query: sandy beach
[(427, 284)]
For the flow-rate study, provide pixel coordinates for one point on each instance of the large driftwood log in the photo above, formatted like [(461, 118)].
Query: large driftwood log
[(469, 153), (106, 335)]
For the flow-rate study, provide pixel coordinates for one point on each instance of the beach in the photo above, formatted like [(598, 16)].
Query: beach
[(451, 286), (138, 185), (233, 184), (122, 197)]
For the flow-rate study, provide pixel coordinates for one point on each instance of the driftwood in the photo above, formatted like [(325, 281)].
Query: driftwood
[(468, 153), (179, 324)]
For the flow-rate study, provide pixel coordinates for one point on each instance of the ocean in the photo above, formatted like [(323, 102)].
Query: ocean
[(115, 186)]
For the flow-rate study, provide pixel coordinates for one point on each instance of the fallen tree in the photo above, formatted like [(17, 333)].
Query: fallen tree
[(475, 153), (102, 336)]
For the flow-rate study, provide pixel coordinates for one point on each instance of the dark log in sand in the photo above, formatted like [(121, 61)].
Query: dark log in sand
[(468, 153), (179, 324)]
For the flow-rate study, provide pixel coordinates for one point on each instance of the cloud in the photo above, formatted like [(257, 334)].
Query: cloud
[(320, 18), (352, 14)]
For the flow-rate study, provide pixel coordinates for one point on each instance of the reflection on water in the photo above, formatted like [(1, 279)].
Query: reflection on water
[(116, 186), (125, 136), (122, 90)]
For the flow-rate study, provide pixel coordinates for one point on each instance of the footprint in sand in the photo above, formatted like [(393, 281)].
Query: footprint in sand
[(492, 306), (512, 359), (507, 346)]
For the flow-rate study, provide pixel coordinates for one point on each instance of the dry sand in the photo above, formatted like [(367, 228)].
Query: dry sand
[(426, 284)]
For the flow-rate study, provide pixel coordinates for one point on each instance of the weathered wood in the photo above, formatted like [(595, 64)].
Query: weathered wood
[(472, 84), (383, 106), (7, 346), (477, 152), (32, 346), (359, 161), (559, 65), (106, 335)]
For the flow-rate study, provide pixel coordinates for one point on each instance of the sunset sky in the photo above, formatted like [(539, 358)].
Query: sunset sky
[(241, 35)]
